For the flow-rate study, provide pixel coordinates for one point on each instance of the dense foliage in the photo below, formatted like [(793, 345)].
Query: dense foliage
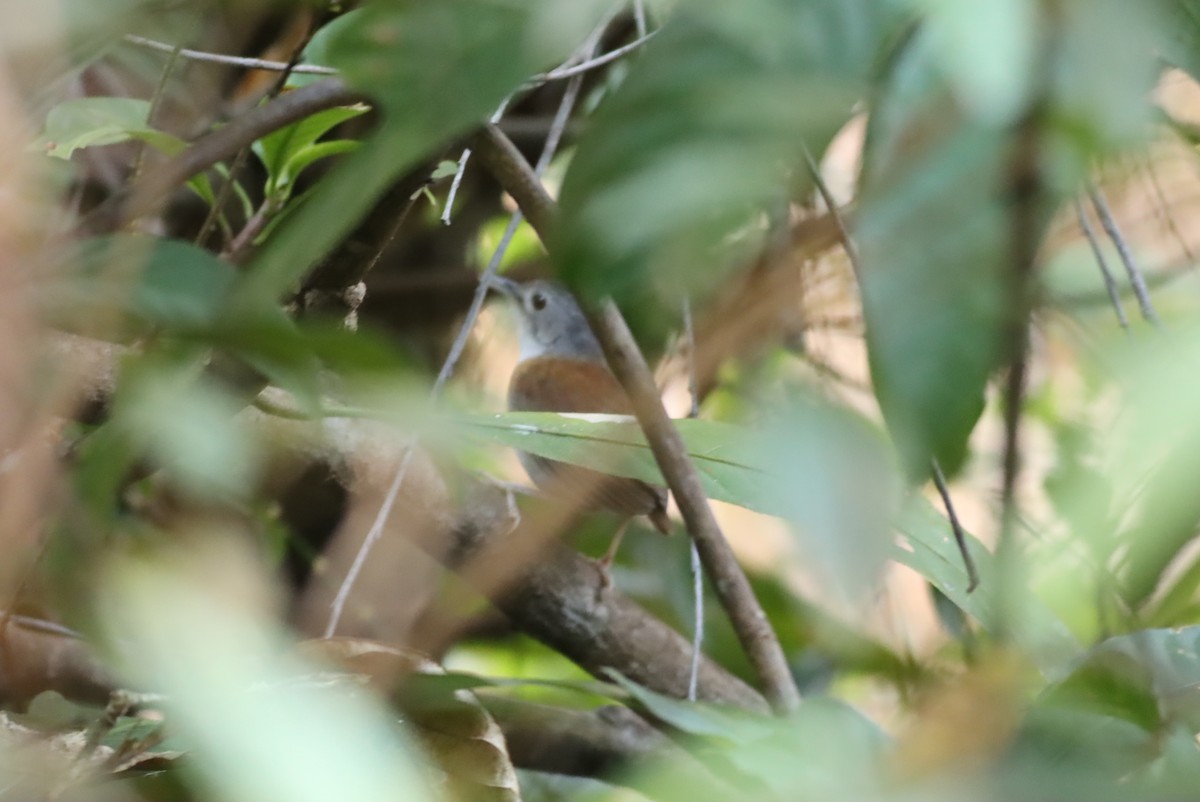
[(913, 261)]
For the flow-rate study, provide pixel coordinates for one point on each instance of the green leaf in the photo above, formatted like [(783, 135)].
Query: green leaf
[(189, 627), (283, 152), (322, 150), (694, 718), (270, 342), (828, 750), (706, 132), (150, 281), (616, 445), (744, 467), (445, 169), (832, 474), (435, 69), (187, 424), (1179, 34), (1150, 677), (94, 121), (933, 234), (934, 554)]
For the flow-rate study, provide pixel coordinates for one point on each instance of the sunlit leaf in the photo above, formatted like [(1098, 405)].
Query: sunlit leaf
[(616, 445), (286, 152)]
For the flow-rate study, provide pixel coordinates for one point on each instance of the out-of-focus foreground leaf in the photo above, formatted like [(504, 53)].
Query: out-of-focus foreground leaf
[(434, 69), (934, 555), (93, 121), (190, 628), (956, 199), (736, 465), (705, 136)]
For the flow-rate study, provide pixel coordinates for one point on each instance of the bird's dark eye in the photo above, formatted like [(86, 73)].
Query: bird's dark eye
[(538, 300)]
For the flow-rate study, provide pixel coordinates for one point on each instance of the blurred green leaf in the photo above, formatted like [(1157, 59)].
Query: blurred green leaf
[(939, 214), (1082, 740), (828, 750), (435, 69), (93, 121), (187, 424), (1150, 678), (933, 234), (694, 718), (833, 476), (1149, 453), (259, 731), (705, 134), (150, 281), (987, 49), (934, 555), (1179, 33)]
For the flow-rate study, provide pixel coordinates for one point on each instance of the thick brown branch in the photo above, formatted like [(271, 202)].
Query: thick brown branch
[(557, 596), (36, 658), (502, 159)]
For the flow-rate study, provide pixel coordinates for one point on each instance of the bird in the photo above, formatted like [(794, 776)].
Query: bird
[(561, 368)]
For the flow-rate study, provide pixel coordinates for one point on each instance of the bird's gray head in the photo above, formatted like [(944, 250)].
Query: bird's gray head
[(550, 320)]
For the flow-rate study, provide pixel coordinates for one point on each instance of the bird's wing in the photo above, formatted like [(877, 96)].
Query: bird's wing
[(557, 384)]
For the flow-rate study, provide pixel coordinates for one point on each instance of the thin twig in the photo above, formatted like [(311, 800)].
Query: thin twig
[(453, 192), (373, 535), (733, 588), (235, 61), (599, 61), (639, 17), (697, 569), (456, 349), (1110, 283), (1136, 279), (245, 238), (831, 203), (243, 155), (960, 537), (1165, 210), (462, 164), (160, 91), (39, 625)]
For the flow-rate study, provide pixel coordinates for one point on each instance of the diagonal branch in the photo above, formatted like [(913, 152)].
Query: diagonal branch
[(626, 361), (732, 587)]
